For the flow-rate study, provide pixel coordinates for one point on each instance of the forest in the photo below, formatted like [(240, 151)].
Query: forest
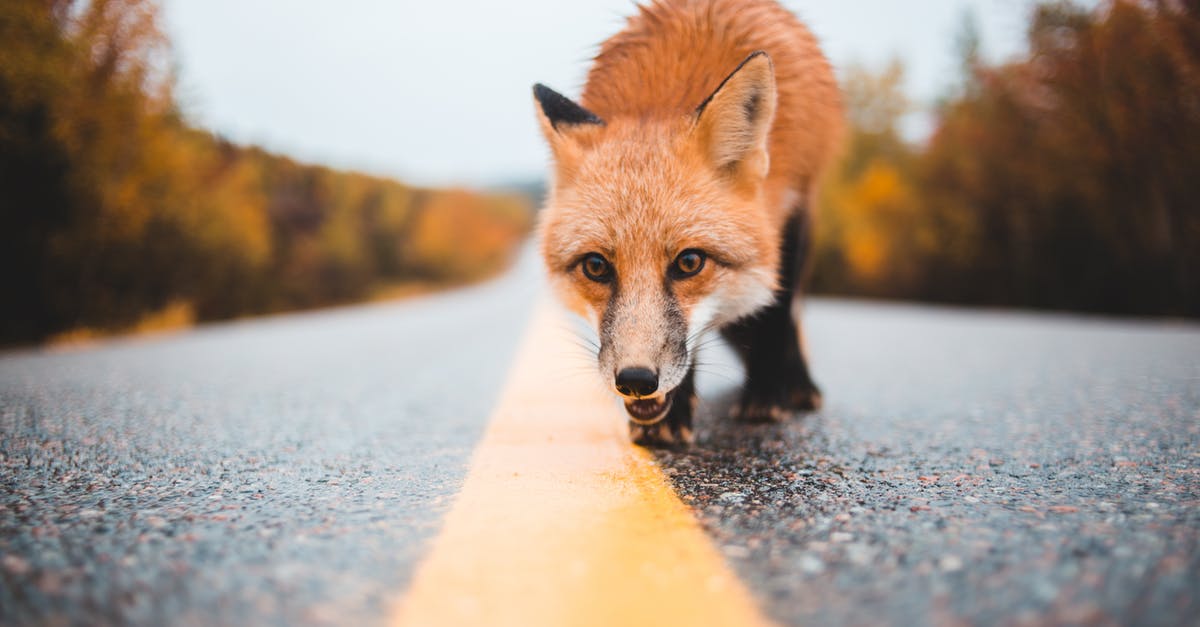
[(117, 215), (1064, 179)]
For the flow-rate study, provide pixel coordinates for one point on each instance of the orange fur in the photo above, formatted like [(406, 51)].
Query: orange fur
[(674, 53), (660, 175)]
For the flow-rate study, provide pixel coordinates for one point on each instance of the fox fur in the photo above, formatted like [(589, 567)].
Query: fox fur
[(701, 133)]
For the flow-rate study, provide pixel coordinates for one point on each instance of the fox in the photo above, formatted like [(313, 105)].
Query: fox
[(681, 203)]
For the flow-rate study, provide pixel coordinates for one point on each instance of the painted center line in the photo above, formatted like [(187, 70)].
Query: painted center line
[(561, 521)]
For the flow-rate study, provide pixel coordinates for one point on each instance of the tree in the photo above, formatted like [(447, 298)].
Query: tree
[(113, 208), (1078, 163)]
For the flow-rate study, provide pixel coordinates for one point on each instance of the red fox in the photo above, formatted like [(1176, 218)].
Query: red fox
[(681, 202)]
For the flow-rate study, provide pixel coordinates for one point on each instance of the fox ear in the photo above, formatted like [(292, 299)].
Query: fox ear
[(733, 124), (559, 112)]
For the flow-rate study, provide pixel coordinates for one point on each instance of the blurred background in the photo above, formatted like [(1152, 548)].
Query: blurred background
[(164, 163)]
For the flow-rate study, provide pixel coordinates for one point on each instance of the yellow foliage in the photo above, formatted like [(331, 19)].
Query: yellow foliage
[(880, 188), (867, 218), (461, 234), (116, 207), (877, 204), (175, 316)]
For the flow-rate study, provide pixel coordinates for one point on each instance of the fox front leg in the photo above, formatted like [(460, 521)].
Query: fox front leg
[(771, 344)]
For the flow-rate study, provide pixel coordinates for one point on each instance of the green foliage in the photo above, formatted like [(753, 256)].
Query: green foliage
[(113, 209)]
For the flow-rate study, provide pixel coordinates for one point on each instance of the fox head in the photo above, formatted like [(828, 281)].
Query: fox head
[(655, 229)]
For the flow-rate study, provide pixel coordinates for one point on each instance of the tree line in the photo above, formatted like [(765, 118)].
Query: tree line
[(113, 208), (1066, 179)]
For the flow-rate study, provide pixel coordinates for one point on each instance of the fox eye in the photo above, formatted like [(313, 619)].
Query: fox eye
[(597, 268), (689, 263)]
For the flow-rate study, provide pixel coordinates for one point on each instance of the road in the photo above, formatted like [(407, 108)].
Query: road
[(982, 467), (285, 470)]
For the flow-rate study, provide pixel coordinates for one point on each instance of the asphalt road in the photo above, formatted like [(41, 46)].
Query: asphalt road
[(285, 470), (967, 468), (980, 467)]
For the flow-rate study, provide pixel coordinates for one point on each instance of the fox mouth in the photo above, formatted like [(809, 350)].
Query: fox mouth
[(648, 411)]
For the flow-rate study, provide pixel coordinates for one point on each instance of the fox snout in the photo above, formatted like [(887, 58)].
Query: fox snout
[(643, 344), (636, 382), (647, 364)]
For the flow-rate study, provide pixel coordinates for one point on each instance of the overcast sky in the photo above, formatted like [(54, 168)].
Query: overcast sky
[(438, 92)]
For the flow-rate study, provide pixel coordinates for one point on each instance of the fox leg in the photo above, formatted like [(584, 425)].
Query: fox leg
[(771, 342), (676, 427)]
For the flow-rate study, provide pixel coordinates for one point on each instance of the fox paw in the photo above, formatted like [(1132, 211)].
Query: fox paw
[(777, 406), (660, 434)]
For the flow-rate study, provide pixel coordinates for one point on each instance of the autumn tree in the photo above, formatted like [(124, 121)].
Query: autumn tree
[(111, 207), (872, 235), (1078, 164)]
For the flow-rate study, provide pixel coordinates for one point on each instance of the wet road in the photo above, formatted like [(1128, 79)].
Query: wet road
[(283, 470), (982, 467), (968, 467)]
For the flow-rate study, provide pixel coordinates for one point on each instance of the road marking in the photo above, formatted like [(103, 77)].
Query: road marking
[(561, 521)]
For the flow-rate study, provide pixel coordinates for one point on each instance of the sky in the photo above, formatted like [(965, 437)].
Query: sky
[(438, 93)]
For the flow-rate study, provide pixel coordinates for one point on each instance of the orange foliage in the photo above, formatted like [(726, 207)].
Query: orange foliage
[(113, 207), (1065, 180), (871, 235), (877, 202), (459, 233), (1077, 166)]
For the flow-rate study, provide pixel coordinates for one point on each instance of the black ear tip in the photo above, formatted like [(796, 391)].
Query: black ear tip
[(562, 110)]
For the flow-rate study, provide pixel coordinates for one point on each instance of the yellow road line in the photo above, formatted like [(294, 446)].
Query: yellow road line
[(561, 521)]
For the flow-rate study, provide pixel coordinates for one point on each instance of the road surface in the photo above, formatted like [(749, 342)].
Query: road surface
[(284, 470), (981, 467)]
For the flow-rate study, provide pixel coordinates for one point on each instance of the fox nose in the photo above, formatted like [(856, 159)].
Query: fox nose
[(637, 381)]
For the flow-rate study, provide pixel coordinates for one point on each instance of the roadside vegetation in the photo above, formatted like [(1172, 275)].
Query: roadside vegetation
[(118, 216), (1067, 179)]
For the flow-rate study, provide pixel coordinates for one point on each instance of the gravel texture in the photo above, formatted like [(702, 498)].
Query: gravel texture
[(284, 470), (984, 468), (968, 468)]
